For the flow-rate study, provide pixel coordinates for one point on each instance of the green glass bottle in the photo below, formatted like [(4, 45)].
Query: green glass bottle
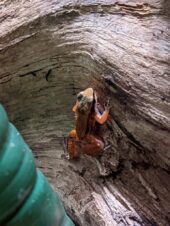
[(26, 198)]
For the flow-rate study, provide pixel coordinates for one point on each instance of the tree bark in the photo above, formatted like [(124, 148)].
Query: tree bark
[(49, 51)]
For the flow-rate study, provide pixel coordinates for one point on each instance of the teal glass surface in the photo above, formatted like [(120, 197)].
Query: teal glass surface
[(26, 198)]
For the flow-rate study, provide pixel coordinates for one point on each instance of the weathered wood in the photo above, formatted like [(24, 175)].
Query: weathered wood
[(49, 51)]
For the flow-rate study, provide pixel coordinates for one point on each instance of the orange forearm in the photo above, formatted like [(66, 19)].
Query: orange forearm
[(102, 118)]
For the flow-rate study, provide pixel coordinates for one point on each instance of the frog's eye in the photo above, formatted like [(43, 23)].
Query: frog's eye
[(79, 96)]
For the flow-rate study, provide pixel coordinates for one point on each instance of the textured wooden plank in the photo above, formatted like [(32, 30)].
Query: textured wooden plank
[(49, 51)]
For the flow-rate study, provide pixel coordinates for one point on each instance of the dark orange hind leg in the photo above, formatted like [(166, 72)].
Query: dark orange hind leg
[(94, 146), (71, 145)]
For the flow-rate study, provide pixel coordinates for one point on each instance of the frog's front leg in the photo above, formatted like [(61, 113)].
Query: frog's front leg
[(101, 118)]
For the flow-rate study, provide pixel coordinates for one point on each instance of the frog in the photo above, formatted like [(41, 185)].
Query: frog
[(84, 139)]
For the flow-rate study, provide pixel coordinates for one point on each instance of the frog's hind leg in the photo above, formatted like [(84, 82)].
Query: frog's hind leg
[(71, 145), (107, 145), (94, 146)]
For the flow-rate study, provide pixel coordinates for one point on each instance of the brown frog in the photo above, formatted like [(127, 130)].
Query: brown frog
[(84, 139)]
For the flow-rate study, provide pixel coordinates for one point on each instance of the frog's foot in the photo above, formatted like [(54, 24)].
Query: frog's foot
[(107, 145), (65, 145), (104, 171)]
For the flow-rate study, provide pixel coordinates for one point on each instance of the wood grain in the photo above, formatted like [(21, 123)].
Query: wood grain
[(49, 51)]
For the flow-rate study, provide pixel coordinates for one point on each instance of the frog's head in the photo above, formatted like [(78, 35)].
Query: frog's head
[(84, 101), (82, 109)]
